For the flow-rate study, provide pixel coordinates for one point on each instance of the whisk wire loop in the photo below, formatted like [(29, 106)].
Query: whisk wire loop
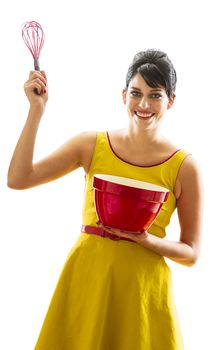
[(33, 37)]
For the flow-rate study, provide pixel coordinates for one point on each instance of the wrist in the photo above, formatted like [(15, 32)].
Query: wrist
[(36, 109), (142, 238)]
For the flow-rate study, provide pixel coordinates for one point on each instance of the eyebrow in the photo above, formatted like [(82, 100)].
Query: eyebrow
[(157, 89)]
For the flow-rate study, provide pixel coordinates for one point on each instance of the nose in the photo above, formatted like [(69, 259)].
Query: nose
[(144, 103)]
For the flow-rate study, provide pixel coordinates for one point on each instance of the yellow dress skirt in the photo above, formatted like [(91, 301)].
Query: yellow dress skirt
[(115, 295)]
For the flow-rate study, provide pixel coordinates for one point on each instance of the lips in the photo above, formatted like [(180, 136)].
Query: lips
[(144, 114)]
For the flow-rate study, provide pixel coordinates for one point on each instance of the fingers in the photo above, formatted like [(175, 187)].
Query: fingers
[(117, 232), (41, 74), (36, 89), (136, 236), (37, 82)]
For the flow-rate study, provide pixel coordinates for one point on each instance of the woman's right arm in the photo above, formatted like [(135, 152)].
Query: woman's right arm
[(74, 153)]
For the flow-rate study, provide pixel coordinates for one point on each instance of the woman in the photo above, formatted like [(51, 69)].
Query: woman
[(115, 290)]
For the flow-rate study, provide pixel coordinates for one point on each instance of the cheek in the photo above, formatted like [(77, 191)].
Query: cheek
[(127, 103), (130, 107), (162, 105)]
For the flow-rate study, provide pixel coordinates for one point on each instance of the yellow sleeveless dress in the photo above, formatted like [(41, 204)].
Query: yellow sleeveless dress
[(115, 295)]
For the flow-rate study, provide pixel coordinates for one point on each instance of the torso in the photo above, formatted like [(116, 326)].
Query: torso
[(134, 156), (121, 148)]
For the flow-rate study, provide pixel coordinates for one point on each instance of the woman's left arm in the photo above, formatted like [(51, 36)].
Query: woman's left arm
[(189, 193)]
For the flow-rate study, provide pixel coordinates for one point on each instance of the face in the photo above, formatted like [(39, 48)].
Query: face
[(145, 105)]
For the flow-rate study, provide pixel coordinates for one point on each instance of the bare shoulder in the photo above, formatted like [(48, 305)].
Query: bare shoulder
[(189, 177), (190, 167), (86, 141), (80, 144), (86, 137), (83, 141)]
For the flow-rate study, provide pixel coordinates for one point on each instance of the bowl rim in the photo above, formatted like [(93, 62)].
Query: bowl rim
[(143, 185)]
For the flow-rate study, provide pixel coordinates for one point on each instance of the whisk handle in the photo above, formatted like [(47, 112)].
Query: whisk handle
[(36, 64)]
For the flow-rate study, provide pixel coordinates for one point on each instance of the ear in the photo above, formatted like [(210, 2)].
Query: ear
[(171, 101), (124, 96)]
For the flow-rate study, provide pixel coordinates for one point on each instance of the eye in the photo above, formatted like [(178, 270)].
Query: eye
[(156, 96), (135, 93)]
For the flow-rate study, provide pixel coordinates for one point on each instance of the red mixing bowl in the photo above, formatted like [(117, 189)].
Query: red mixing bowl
[(127, 204)]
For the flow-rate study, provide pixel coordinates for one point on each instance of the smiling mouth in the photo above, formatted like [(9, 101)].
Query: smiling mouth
[(144, 115)]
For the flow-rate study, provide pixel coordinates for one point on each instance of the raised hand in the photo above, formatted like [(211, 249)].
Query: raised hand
[(36, 89)]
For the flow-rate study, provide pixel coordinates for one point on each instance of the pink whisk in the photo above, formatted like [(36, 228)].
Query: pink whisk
[(33, 37)]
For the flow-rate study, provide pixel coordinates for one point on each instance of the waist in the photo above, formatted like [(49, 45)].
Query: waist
[(99, 231)]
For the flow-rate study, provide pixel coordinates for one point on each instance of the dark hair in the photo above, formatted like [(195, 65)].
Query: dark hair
[(156, 69)]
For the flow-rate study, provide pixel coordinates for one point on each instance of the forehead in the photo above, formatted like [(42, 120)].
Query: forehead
[(139, 82)]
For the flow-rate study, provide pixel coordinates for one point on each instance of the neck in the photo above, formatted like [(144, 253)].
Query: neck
[(144, 139)]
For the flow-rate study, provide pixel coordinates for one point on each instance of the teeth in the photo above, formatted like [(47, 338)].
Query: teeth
[(144, 115)]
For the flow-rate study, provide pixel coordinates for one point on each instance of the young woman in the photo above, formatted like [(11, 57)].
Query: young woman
[(115, 290)]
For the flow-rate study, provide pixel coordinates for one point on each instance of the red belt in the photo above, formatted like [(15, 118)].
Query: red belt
[(101, 232)]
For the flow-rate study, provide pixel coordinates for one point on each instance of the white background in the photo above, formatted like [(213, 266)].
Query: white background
[(88, 47)]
